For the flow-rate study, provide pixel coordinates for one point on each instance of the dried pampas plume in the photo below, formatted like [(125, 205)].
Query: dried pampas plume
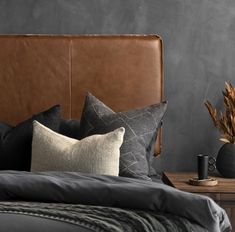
[(225, 121)]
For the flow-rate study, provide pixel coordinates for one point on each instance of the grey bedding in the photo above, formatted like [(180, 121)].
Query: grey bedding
[(108, 203), (100, 218), (15, 222)]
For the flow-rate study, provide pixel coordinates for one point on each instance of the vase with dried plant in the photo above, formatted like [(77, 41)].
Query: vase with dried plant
[(225, 123)]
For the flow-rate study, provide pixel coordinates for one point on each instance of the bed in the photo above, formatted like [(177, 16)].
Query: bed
[(125, 72)]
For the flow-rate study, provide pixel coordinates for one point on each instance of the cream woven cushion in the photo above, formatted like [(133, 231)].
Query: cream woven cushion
[(97, 154)]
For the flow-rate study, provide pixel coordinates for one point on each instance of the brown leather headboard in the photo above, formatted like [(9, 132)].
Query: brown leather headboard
[(38, 71)]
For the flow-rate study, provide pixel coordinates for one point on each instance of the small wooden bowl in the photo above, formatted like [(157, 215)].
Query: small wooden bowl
[(206, 182)]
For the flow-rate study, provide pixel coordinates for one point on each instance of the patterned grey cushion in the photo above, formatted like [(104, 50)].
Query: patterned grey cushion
[(140, 124)]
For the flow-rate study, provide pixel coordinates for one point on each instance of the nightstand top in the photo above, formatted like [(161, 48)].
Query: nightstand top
[(179, 180)]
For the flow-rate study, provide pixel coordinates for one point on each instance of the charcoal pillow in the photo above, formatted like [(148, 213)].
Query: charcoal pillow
[(97, 154), (70, 128), (140, 124), (15, 142)]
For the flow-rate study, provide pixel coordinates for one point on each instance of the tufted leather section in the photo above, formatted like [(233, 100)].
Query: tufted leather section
[(38, 71)]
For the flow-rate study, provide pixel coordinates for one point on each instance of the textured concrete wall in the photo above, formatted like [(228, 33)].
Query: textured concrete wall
[(199, 38)]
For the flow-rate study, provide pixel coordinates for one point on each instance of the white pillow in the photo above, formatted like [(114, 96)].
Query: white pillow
[(97, 154)]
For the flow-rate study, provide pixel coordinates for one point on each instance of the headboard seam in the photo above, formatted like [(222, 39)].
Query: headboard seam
[(70, 76)]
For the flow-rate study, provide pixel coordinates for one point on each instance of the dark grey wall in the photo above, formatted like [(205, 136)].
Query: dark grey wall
[(199, 38)]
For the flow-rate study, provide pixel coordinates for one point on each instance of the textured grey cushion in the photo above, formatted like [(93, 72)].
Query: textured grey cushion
[(97, 154), (140, 124)]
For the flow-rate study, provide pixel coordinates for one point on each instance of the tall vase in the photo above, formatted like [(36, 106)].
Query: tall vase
[(225, 161)]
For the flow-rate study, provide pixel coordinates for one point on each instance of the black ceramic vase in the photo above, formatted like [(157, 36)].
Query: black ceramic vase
[(225, 161)]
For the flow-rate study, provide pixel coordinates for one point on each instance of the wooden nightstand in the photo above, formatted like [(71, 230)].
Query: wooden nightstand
[(223, 193)]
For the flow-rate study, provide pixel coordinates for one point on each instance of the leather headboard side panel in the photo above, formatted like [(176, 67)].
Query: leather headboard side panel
[(34, 75), (125, 72)]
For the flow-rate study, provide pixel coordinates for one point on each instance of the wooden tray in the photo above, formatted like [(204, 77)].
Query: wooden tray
[(206, 182)]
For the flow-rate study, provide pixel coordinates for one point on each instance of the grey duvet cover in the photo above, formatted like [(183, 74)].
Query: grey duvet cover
[(106, 203), (15, 222)]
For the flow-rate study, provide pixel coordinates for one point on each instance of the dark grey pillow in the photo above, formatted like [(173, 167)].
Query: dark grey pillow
[(16, 141), (70, 128), (140, 124)]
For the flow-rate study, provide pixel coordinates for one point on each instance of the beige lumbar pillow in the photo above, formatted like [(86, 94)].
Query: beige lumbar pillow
[(97, 154)]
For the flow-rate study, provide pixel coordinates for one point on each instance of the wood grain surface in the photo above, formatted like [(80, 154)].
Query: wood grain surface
[(223, 193)]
